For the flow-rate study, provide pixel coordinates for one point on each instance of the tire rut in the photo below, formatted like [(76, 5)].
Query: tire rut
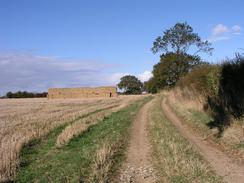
[(138, 167), (219, 161)]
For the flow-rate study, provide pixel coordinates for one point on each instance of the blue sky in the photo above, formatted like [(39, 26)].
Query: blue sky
[(62, 43)]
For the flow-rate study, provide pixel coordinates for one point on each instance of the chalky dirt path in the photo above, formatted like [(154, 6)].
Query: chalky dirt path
[(218, 160), (138, 167)]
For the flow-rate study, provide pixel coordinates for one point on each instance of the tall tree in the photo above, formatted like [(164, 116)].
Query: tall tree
[(130, 84), (171, 67), (151, 85), (179, 39), (175, 61)]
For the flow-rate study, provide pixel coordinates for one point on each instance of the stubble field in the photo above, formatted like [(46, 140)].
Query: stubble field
[(23, 120)]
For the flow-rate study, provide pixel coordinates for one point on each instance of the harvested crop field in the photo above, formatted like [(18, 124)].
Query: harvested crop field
[(23, 120), (122, 139)]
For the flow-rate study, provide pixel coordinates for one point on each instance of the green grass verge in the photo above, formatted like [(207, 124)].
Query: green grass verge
[(41, 161), (175, 158), (200, 122), (196, 119)]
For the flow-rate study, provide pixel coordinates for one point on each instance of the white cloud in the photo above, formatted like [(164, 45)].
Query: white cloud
[(223, 32), (25, 71), (115, 78), (145, 76), (220, 29), (218, 38), (236, 29), (21, 71)]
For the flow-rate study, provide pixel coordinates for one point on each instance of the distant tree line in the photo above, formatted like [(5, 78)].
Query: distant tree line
[(24, 94)]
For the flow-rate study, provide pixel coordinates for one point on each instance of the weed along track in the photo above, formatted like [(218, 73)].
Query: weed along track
[(219, 161), (94, 155)]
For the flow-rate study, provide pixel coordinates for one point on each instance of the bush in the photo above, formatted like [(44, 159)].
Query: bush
[(150, 86), (25, 94), (223, 88), (204, 79), (230, 99), (231, 90)]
